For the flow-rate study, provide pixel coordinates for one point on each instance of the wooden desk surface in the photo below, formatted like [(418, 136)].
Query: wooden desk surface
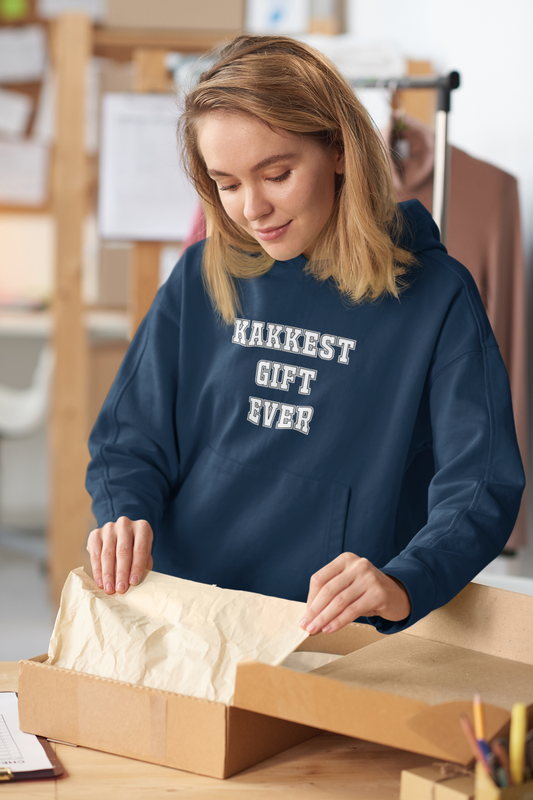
[(327, 766)]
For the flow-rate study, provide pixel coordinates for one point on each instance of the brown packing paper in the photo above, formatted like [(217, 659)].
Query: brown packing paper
[(171, 634)]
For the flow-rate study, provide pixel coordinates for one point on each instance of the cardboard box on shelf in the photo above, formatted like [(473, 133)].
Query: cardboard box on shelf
[(212, 15), (436, 782), (405, 690)]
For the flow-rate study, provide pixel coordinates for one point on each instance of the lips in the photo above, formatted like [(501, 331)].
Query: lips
[(269, 234)]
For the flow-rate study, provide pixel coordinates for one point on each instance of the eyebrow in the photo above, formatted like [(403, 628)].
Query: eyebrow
[(266, 162)]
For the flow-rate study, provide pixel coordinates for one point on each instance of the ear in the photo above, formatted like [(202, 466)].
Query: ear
[(340, 164)]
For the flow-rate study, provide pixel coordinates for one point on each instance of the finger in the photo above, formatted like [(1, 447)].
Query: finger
[(334, 595), (109, 557), (94, 548), (142, 549), (351, 612), (320, 578), (124, 553)]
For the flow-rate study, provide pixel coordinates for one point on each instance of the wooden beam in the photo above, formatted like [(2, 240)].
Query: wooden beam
[(150, 75), (145, 280), (120, 43), (70, 515)]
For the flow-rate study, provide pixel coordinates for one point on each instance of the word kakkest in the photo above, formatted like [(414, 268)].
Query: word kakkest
[(278, 375)]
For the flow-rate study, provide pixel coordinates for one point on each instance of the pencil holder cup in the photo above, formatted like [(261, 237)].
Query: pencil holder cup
[(486, 789)]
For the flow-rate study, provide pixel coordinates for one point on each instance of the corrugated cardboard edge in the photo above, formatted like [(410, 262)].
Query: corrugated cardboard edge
[(160, 727)]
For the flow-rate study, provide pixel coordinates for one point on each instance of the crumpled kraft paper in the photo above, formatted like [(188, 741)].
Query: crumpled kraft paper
[(171, 634)]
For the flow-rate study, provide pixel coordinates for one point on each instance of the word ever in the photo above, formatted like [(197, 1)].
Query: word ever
[(286, 414), (314, 344)]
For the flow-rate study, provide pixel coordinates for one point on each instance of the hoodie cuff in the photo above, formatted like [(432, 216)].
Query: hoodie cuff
[(419, 585)]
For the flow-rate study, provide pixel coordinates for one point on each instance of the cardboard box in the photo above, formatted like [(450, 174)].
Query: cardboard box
[(213, 15), (405, 690), (435, 783), (409, 689), (161, 727)]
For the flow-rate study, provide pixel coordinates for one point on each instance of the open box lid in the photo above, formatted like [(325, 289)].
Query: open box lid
[(408, 689)]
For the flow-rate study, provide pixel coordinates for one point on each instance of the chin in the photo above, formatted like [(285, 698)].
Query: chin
[(282, 253)]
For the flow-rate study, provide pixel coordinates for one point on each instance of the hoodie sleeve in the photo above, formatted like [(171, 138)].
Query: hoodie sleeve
[(474, 496), (134, 447)]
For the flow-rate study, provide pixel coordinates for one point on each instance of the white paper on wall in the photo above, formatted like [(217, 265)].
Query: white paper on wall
[(22, 54), (143, 192), (23, 172), (95, 9), (15, 111), (277, 16), (44, 124)]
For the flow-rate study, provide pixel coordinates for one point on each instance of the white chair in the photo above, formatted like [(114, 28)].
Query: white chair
[(22, 413)]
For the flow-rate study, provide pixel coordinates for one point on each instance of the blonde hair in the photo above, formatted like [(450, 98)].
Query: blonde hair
[(291, 86)]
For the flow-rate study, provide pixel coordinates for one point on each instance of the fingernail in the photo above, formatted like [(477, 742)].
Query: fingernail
[(100, 583), (109, 588), (311, 628), (134, 580), (303, 623), (121, 587), (326, 629)]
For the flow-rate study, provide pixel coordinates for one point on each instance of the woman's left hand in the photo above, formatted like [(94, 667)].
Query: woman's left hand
[(351, 587)]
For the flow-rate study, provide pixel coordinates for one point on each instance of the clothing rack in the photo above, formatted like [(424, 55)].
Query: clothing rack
[(444, 85)]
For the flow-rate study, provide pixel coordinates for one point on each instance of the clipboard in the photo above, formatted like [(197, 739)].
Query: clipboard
[(7, 774), (24, 750)]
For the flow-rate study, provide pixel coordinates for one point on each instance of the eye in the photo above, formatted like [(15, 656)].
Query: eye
[(280, 178), (228, 188)]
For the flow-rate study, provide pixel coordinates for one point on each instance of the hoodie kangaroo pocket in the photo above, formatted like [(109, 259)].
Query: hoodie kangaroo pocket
[(259, 529)]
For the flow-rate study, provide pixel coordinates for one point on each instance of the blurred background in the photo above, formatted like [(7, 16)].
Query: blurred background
[(94, 213)]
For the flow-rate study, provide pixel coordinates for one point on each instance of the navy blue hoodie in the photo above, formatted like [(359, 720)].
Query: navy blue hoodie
[(260, 451)]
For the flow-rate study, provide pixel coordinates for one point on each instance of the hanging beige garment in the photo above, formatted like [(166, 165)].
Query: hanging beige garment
[(483, 233)]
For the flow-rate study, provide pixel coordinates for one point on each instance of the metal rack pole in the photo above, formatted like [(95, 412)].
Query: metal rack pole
[(444, 85)]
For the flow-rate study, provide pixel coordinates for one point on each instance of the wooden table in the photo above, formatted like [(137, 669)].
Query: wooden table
[(327, 766)]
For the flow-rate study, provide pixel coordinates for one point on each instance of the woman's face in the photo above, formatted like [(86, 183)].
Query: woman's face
[(278, 186)]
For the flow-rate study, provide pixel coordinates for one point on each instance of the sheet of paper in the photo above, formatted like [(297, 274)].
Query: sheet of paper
[(44, 127), (95, 9), (15, 111), (143, 192), (44, 123), (22, 54), (21, 752), (171, 634), (23, 172)]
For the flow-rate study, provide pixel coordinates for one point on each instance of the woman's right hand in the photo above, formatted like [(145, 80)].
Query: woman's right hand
[(120, 552)]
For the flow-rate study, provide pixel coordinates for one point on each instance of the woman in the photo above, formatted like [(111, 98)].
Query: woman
[(315, 405)]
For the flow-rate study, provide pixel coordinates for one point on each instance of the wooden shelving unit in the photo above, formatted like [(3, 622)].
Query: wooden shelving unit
[(75, 40)]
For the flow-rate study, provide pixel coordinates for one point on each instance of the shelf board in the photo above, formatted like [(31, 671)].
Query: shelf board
[(119, 43)]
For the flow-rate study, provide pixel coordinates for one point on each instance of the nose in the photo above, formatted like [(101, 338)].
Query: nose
[(256, 204)]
